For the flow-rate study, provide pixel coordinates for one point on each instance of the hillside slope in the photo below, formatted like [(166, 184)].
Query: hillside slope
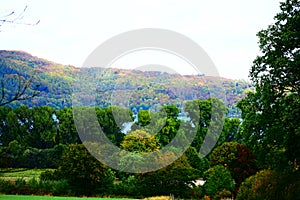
[(142, 89)]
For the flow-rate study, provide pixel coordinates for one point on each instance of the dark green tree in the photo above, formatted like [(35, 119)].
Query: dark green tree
[(85, 174), (207, 116), (239, 160), (171, 125), (272, 113), (111, 121), (201, 164), (43, 131), (34, 127), (173, 179), (219, 183), (7, 130), (67, 133), (230, 130)]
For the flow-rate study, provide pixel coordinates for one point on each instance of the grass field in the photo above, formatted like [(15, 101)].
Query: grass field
[(13, 174), (19, 197)]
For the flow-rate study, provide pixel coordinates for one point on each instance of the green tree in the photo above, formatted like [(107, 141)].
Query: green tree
[(67, 133), (8, 125), (219, 182), (85, 174), (201, 164), (43, 131), (168, 131), (34, 127), (21, 89), (144, 118), (206, 115), (86, 123), (239, 160), (272, 113), (111, 120), (173, 179), (139, 141), (230, 130), (11, 155)]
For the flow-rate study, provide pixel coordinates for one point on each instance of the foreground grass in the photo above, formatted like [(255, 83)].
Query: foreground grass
[(20, 197), (13, 174)]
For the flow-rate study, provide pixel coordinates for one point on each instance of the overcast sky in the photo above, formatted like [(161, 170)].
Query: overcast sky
[(70, 30)]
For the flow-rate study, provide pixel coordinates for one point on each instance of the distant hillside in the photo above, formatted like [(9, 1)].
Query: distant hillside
[(146, 89)]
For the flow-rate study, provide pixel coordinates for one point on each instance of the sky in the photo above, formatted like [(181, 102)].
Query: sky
[(70, 30)]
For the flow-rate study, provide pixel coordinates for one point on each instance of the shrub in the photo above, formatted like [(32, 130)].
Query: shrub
[(269, 185), (49, 175), (35, 187), (127, 187), (197, 192), (56, 188), (219, 182), (20, 182), (7, 187), (238, 158), (173, 179)]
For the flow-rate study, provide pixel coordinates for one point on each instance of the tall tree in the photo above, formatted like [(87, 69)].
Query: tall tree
[(207, 116), (67, 133), (111, 121), (272, 113)]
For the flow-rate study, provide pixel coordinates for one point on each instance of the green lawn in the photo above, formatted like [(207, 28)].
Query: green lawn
[(26, 174), (13, 174), (19, 197)]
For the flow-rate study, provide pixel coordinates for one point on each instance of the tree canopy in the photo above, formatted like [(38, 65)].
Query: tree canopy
[(272, 113)]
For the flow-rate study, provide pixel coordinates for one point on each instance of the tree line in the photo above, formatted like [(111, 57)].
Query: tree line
[(41, 137)]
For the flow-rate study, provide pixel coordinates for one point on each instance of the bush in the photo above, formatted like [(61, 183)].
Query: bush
[(173, 179), (219, 182), (197, 192), (127, 187), (35, 187), (269, 185), (7, 187), (49, 175), (17, 156), (56, 188), (238, 158)]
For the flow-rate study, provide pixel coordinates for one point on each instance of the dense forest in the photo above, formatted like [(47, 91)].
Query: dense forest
[(147, 89)]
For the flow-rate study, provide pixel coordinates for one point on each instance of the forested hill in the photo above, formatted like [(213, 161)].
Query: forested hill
[(146, 89)]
